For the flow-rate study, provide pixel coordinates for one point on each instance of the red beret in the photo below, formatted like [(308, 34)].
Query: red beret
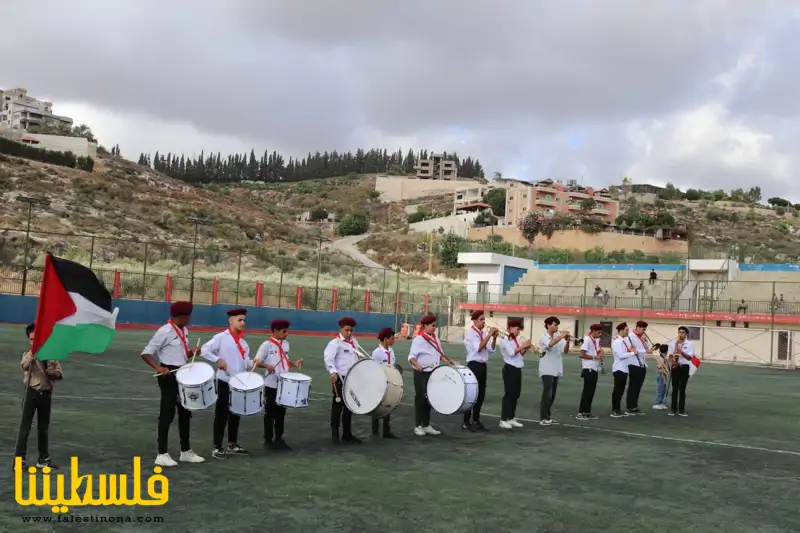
[(515, 323), (279, 323), (641, 324), (476, 314), (385, 333), (427, 319), (596, 327), (237, 311), (347, 321), (181, 308)]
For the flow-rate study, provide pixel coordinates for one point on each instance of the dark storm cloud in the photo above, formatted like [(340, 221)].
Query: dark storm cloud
[(517, 76)]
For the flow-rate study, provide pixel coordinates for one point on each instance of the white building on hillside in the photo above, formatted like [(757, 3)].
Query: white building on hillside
[(18, 111)]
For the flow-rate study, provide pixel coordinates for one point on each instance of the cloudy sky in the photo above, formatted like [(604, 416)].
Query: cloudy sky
[(696, 92)]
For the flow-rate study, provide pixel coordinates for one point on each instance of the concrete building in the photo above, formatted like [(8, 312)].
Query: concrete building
[(399, 189), (437, 167), (551, 197), (18, 111), (79, 146)]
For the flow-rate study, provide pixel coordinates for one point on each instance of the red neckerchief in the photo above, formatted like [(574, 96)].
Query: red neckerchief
[(350, 342), (644, 345), (625, 343), (479, 332), (236, 339), (432, 341), (181, 336), (283, 357), (388, 354), (594, 342), (513, 338)]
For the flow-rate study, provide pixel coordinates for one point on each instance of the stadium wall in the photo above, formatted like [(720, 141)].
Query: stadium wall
[(135, 314), (633, 267), (770, 268)]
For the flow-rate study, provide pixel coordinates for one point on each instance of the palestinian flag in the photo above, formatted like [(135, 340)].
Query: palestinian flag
[(694, 365), (74, 312)]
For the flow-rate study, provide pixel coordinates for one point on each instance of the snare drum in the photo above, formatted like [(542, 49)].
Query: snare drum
[(197, 389), (247, 393), (293, 390), (452, 389), (372, 388)]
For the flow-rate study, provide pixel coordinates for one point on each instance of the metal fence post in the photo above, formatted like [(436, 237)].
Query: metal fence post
[(280, 285), (396, 299), (772, 329), (238, 277), (383, 289), (91, 254), (144, 272)]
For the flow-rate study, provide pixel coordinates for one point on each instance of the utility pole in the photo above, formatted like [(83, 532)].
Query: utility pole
[(198, 221), (320, 239), (31, 202)]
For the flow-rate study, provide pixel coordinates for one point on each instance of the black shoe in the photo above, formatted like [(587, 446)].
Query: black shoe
[(351, 439), (479, 427), (219, 453), (280, 444), (237, 450), (41, 463), (389, 435), (468, 427), (617, 414)]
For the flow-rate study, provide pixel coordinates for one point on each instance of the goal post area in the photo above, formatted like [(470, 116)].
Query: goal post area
[(746, 345)]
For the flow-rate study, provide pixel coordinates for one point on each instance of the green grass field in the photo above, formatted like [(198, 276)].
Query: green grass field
[(732, 466)]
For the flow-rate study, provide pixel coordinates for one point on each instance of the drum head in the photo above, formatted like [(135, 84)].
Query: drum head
[(295, 376), (446, 390), (246, 381), (364, 386), (194, 373)]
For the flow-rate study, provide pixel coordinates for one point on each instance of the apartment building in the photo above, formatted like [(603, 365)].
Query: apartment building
[(437, 167), (18, 111), (474, 192), (551, 197)]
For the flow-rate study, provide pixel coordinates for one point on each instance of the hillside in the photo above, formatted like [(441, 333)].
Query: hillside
[(123, 202)]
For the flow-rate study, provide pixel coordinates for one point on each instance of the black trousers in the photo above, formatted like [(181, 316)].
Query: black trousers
[(636, 376), (36, 403), (340, 413), (512, 385), (589, 386), (274, 416), (166, 414), (549, 386), (480, 371), (223, 417), (387, 426), (680, 378), (422, 409), (620, 381)]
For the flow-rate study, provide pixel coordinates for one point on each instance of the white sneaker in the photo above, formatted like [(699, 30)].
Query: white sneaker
[(514, 423), (164, 459), (430, 431), (419, 431), (505, 424), (545, 422), (190, 457)]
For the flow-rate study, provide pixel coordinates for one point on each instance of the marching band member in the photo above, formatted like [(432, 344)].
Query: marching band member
[(661, 378), (232, 354), (39, 377), (384, 353), (341, 354), (553, 346), (683, 350), (513, 353), (166, 352), (637, 367), (273, 355), (591, 354), (623, 353), (425, 355), (478, 350)]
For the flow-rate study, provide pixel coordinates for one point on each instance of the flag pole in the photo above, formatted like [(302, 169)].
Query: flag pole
[(47, 263)]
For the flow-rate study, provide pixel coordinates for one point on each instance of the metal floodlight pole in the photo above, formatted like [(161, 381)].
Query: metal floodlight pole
[(197, 222), (31, 202), (320, 239)]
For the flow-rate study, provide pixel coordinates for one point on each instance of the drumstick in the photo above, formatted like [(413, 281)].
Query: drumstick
[(176, 369), (171, 371), (336, 392), (195, 353)]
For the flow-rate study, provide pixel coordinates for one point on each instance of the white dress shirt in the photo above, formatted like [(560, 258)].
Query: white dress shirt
[(592, 347), (426, 354), (623, 354), (688, 349), (551, 363), (167, 346), (223, 346), (340, 355), (509, 350), (270, 354), (472, 341), (384, 355), (640, 347)]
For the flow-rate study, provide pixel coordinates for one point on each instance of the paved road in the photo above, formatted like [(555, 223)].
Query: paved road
[(347, 245)]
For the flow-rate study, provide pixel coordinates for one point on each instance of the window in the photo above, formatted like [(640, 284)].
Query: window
[(694, 333)]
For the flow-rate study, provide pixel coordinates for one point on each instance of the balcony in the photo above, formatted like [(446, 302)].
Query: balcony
[(575, 207), (546, 200), (575, 194), (601, 211), (546, 188)]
